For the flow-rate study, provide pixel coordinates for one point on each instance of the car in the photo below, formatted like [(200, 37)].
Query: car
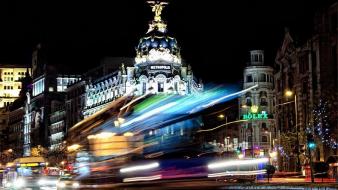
[(66, 182)]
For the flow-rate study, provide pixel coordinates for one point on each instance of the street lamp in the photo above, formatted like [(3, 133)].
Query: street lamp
[(289, 93)]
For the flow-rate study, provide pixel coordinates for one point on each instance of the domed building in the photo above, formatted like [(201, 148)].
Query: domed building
[(157, 68), (158, 65)]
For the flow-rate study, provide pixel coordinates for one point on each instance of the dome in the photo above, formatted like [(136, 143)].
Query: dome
[(157, 42), (157, 45)]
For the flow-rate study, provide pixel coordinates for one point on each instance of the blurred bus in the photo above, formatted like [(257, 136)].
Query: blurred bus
[(28, 172)]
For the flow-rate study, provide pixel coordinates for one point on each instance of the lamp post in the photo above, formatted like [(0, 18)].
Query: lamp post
[(289, 93)]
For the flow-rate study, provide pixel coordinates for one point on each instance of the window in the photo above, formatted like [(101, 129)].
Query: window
[(249, 78), (264, 127), (248, 102), (260, 58), (249, 138), (264, 139), (262, 77), (264, 102), (160, 87)]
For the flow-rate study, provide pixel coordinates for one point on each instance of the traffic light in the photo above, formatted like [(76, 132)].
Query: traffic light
[(310, 141), (239, 150)]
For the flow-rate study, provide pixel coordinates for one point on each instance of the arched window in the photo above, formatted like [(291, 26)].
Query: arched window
[(264, 139), (263, 102), (263, 98)]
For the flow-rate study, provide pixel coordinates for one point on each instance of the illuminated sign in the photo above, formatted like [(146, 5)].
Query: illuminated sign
[(256, 116), (160, 67), (29, 165)]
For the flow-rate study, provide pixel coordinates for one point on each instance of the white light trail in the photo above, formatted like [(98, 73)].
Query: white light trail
[(150, 113), (228, 96), (238, 173), (140, 167), (148, 178), (237, 163), (133, 101)]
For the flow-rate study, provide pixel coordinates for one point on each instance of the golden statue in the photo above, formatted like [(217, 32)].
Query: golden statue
[(157, 9)]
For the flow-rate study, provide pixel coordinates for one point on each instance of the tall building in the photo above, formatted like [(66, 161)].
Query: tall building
[(10, 83), (309, 70), (48, 86), (15, 130), (157, 68), (258, 130)]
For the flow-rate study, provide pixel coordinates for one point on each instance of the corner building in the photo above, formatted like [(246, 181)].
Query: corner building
[(258, 130), (157, 68)]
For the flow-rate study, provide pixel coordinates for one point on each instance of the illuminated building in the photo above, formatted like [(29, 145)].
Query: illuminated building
[(47, 88), (10, 83), (309, 69), (157, 68), (258, 130), (75, 102), (15, 130)]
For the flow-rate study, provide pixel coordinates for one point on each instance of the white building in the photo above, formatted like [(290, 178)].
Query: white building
[(258, 131), (158, 68)]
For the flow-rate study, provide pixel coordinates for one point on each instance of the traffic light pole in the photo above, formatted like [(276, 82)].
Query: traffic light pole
[(298, 167), (311, 165)]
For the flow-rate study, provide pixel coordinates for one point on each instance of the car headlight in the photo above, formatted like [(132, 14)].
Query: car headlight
[(42, 182), (75, 185), (20, 182), (61, 184)]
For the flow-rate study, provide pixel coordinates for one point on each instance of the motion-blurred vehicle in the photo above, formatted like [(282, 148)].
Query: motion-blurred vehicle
[(28, 173), (184, 164), (67, 181)]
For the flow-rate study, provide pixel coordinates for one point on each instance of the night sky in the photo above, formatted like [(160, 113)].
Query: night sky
[(215, 36)]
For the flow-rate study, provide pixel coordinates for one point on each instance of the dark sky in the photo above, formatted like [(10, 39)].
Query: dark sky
[(215, 36)]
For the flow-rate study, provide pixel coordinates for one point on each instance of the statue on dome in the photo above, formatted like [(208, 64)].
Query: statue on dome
[(123, 69), (157, 9)]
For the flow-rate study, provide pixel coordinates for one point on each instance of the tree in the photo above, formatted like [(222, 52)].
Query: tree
[(38, 151), (322, 124)]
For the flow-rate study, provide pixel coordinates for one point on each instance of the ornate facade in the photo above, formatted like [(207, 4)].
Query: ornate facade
[(256, 107), (158, 68)]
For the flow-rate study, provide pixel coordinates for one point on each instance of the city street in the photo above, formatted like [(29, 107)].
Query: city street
[(164, 94), (212, 184)]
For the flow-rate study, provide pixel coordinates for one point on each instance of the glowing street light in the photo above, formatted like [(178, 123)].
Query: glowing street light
[(221, 116), (289, 93)]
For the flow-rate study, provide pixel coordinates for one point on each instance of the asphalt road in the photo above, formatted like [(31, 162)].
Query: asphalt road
[(213, 184)]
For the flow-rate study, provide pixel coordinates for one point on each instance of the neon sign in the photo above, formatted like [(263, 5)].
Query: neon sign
[(256, 116), (160, 67)]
